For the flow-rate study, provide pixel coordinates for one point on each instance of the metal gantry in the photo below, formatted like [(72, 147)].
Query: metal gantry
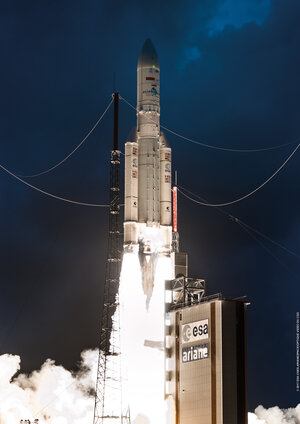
[(184, 292), (108, 397)]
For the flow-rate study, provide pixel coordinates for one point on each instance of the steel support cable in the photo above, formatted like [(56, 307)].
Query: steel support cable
[(239, 221), (227, 149), (209, 146), (73, 151), (50, 194), (37, 413), (244, 226), (268, 250), (246, 195)]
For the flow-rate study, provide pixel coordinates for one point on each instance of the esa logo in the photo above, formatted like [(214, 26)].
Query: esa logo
[(194, 331)]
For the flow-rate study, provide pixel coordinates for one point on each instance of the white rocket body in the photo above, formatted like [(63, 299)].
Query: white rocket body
[(148, 210)]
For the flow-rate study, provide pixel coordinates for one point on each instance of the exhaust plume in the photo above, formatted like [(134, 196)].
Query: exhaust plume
[(58, 396), (52, 394), (275, 415)]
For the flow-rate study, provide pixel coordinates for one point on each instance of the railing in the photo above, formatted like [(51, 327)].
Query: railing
[(174, 306)]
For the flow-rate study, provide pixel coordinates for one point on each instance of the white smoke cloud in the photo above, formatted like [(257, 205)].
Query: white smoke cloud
[(58, 396), (275, 415), (52, 394)]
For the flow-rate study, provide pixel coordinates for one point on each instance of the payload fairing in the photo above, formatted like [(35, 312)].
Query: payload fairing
[(148, 210)]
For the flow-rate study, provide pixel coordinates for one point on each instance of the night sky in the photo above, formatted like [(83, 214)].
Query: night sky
[(230, 76)]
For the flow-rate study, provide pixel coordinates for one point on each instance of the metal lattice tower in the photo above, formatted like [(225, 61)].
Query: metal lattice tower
[(108, 397)]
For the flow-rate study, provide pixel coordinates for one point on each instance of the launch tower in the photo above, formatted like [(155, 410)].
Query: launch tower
[(108, 398)]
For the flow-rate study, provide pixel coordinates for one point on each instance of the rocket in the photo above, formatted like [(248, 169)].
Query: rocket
[(148, 208)]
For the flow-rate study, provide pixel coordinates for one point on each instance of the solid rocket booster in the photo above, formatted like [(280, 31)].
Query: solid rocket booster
[(148, 210)]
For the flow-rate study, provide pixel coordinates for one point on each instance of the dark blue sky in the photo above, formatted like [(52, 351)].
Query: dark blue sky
[(230, 76)]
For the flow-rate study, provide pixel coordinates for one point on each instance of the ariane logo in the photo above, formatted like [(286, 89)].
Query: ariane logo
[(153, 92), (194, 331), (195, 353)]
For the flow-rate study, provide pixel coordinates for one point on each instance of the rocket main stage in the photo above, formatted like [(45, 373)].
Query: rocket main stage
[(148, 217)]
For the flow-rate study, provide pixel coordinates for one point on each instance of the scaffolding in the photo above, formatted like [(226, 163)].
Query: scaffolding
[(184, 291), (108, 397)]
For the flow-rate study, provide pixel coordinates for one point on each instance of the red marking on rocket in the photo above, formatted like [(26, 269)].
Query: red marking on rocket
[(174, 209)]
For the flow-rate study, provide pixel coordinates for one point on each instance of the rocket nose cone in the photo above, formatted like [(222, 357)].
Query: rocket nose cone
[(148, 56)]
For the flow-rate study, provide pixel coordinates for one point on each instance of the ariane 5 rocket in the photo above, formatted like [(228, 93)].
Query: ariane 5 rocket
[(148, 209)]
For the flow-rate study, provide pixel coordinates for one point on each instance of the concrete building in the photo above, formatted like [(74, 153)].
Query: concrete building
[(206, 358)]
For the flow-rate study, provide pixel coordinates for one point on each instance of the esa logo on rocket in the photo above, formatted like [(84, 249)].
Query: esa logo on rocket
[(194, 331)]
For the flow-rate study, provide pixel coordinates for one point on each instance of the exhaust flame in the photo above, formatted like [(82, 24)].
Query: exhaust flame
[(142, 335)]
